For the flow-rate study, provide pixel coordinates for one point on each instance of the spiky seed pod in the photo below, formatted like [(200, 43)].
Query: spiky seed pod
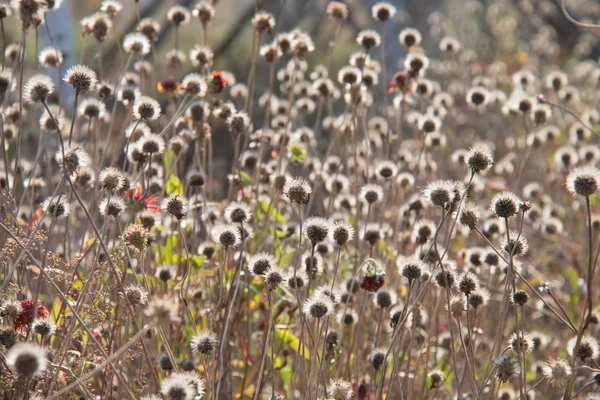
[(371, 193), (479, 159), (521, 343), (297, 280), (517, 249), (316, 230), (146, 108), (227, 236), (57, 207), (439, 193), (194, 85), (317, 307), (520, 298), (437, 379), (297, 190), (175, 205), (136, 295), (383, 11), (410, 37), (507, 368), (177, 387), (274, 277), (368, 39), (505, 205), (377, 358), (38, 88), (384, 298), (410, 268), (588, 348), (445, 278), (164, 362), (111, 179), (337, 10), (260, 263), (237, 213), (8, 337), (468, 283), (204, 343), (342, 233), (478, 298), (557, 372), (584, 181), (26, 359), (136, 236), (43, 327), (263, 21), (136, 43), (469, 215), (81, 77), (178, 15), (340, 389), (111, 207), (149, 28)]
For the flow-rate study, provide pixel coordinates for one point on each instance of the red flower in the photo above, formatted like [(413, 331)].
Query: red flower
[(169, 86), (25, 317), (217, 82), (372, 283), (137, 193), (399, 83)]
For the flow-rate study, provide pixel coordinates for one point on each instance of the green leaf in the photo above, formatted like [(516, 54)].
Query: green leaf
[(78, 285), (198, 261), (291, 340), (174, 185), (285, 260), (169, 160)]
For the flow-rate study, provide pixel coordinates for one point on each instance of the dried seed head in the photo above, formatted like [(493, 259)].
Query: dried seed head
[(436, 378), (260, 263), (57, 207), (337, 10), (340, 389), (368, 39), (178, 15), (479, 159), (505, 205), (342, 233), (136, 295), (468, 283), (136, 43), (163, 310), (177, 387), (81, 77), (318, 307), (237, 213), (377, 358), (446, 278), (175, 205), (557, 372), (204, 343), (520, 297), (384, 298), (440, 193), (263, 21), (92, 108), (517, 249), (146, 108), (43, 327), (410, 268), (507, 368), (136, 237), (26, 359), (112, 207), (587, 349), (410, 37), (297, 190), (383, 11), (521, 343), (227, 236), (274, 277), (371, 193), (317, 230), (38, 88), (584, 181), (111, 179), (469, 215)]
